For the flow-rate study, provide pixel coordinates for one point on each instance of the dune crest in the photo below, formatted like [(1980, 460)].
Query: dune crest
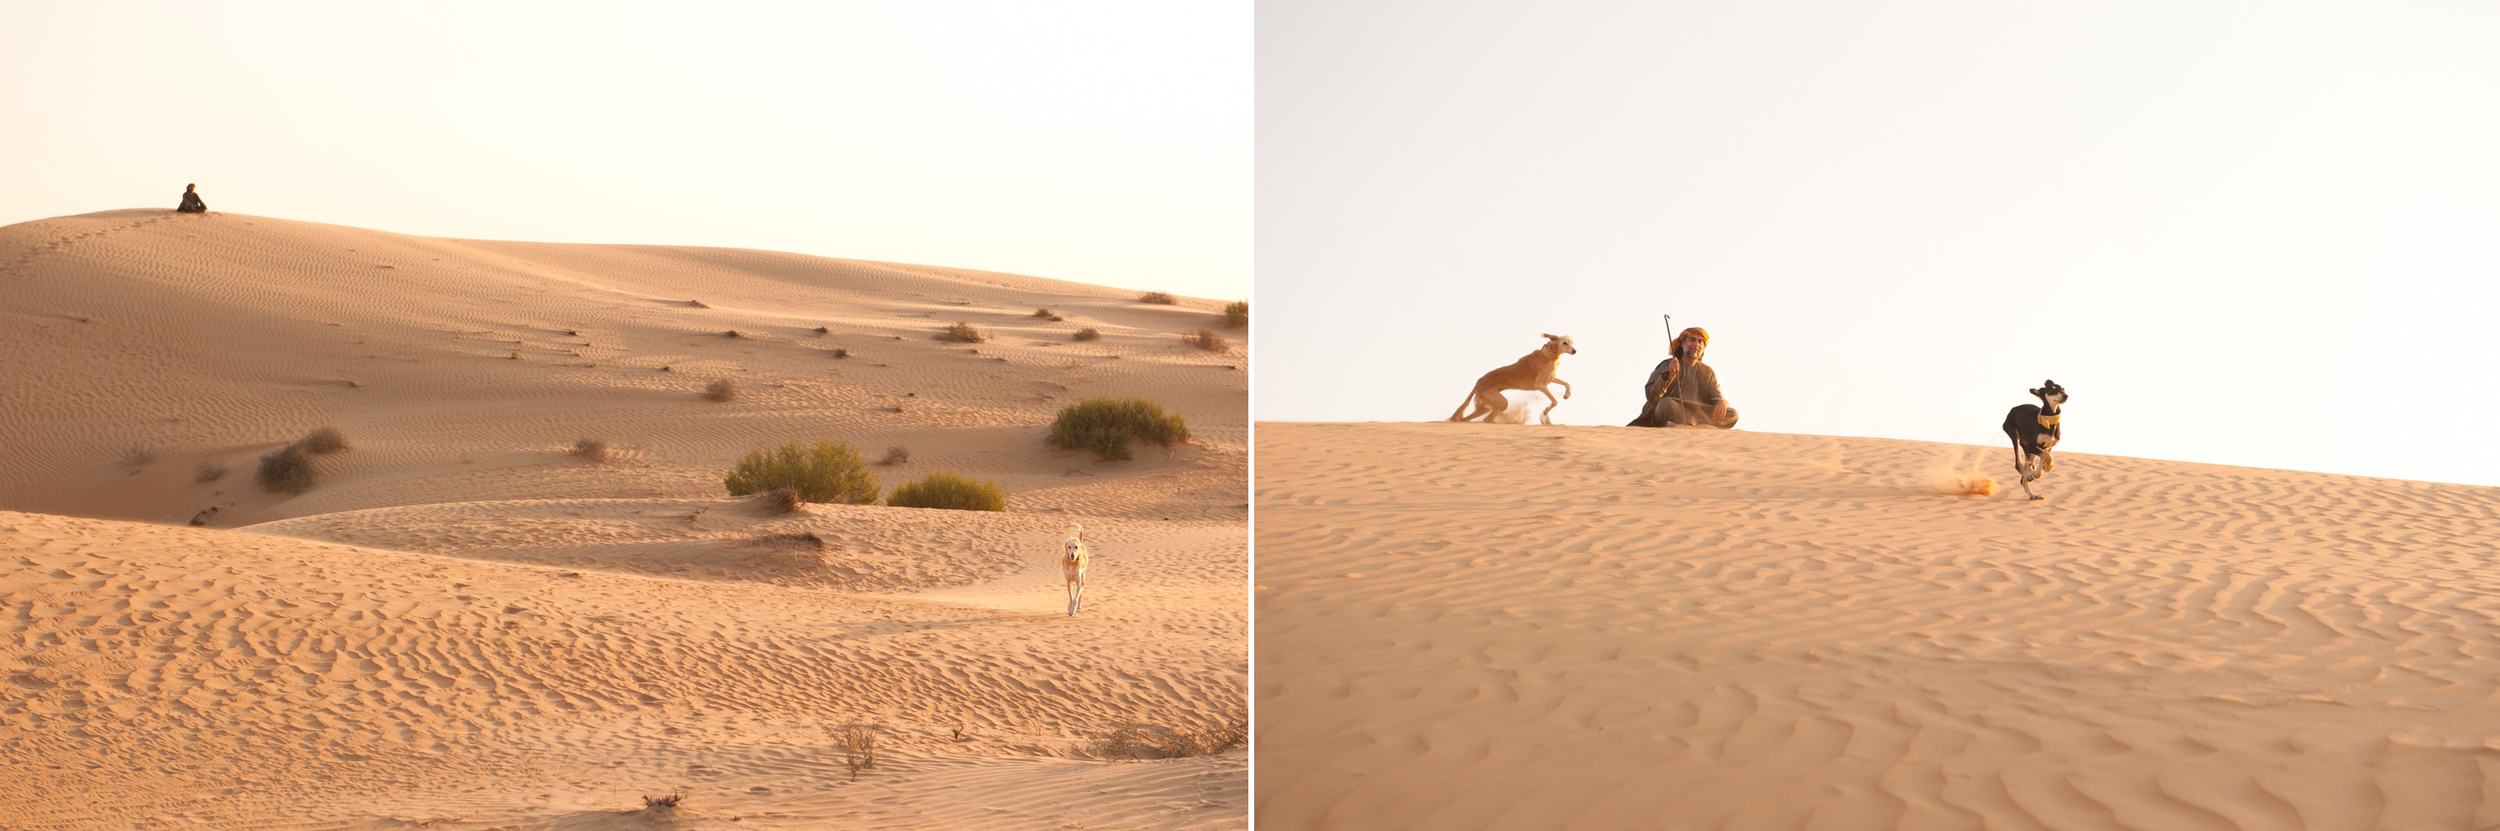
[(1466, 626), (475, 616)]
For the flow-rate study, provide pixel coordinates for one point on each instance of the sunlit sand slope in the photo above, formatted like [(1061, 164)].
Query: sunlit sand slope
[(1480, 626)]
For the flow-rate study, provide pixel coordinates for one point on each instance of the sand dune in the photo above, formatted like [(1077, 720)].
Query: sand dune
[(1479, 626), (462, 625)]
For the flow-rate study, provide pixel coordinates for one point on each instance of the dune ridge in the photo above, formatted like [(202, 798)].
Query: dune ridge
[(1478, 626), (464, 625)]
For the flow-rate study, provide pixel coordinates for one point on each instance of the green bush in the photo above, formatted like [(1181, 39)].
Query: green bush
[(831, 471), (1104, 425), (949, 491), (1236, 314)]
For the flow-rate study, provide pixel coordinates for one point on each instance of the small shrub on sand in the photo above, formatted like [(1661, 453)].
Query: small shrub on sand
[(1159, 298), (323, 442), (1047, 314), (1208, 340), (286, 470), (1105, 425), (664, 802), (209, 472), (803, 539), (1236, 314), (859, 746), (895, 455), (593, 449), (841, 353), (949, 491), (823, 331), (1088, 333), (721, 390), (733, 333), (829, 471), (778, 501), (138, 457), (962, 332), (1139, 742)]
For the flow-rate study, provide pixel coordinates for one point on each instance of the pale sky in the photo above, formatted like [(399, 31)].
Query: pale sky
[(2259, 234), (1105, 142)]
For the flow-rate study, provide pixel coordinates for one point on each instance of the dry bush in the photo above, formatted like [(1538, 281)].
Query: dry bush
[(664, 802), (841, 353), (1208, 340), (138, 457), (1088, 333), (594, 449), (286, 470), (803, 539), (823, 331), (962, 332), (1143, 742), (733, 333), (698, 304), (721, 390), (895, 455), (1159, 298), (209, 472), (323, 442), (949, 491), (859, 746), (1047, 314), (1104, 425), (1236, 314), (829, 471), (778, 501)]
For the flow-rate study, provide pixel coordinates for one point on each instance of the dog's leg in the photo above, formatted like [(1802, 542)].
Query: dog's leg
[(1462, 406), (1547, 417), (1566, 387)]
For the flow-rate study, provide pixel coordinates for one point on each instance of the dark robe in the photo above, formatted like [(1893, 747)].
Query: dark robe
[(191, 203), (1688, 398)]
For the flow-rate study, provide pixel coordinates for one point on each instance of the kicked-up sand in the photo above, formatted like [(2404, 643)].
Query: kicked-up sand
[(463, 623), (1469, 626)]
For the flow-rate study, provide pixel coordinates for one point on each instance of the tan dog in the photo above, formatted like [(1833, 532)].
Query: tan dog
[(1074, 562), (1532, 372)]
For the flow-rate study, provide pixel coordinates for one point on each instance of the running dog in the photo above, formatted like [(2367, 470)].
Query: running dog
[(1532, 372), (2034, 431), (1073, 561)]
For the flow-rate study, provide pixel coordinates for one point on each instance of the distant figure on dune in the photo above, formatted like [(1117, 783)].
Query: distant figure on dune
[(1073, 560), (191, 203), (1683, 391)]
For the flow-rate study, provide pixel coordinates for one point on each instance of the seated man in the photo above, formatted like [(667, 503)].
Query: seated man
[(191, 203), (1683, 391)]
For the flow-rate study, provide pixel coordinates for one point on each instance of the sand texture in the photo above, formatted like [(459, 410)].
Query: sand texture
[(1483, 626), (463, 624)]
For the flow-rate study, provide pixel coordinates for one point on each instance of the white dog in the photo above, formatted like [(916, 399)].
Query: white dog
[(1074, 561)]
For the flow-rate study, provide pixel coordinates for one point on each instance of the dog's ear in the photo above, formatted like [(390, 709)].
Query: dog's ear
[(1549, 337), (2047, 384)]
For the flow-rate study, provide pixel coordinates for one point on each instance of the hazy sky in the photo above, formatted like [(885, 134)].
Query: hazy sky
[(2247, 233), (1106, 141)]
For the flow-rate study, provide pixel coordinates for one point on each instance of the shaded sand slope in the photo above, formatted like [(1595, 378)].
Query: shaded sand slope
[(462, 625), (1479, 626), (141, 345)]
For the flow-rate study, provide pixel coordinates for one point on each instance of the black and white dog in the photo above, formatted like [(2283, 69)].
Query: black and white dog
[(2034, 431)]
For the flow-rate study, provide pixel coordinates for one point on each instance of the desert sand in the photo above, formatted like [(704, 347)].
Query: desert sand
[(463, 624), (1524, 627)]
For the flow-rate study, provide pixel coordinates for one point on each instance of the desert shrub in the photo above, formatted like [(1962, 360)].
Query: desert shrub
[(962, 332), (593, 449), (1088, 333), (721, 390), (1236, 314), (841, 353), (323, 442), (1138, 742), (778, 501), (1047, 314), (1105, 425), (138, 457), (802, 539), (664, 802), (895, 455), (1159, 298), (1208, 340), (949, 491), (829, 471), (859, 746), (286, 470), (823, 331), (733, 333), (209, 472)]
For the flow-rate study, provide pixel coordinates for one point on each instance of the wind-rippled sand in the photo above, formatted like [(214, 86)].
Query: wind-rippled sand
[(462, 625), (1491, 626)]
